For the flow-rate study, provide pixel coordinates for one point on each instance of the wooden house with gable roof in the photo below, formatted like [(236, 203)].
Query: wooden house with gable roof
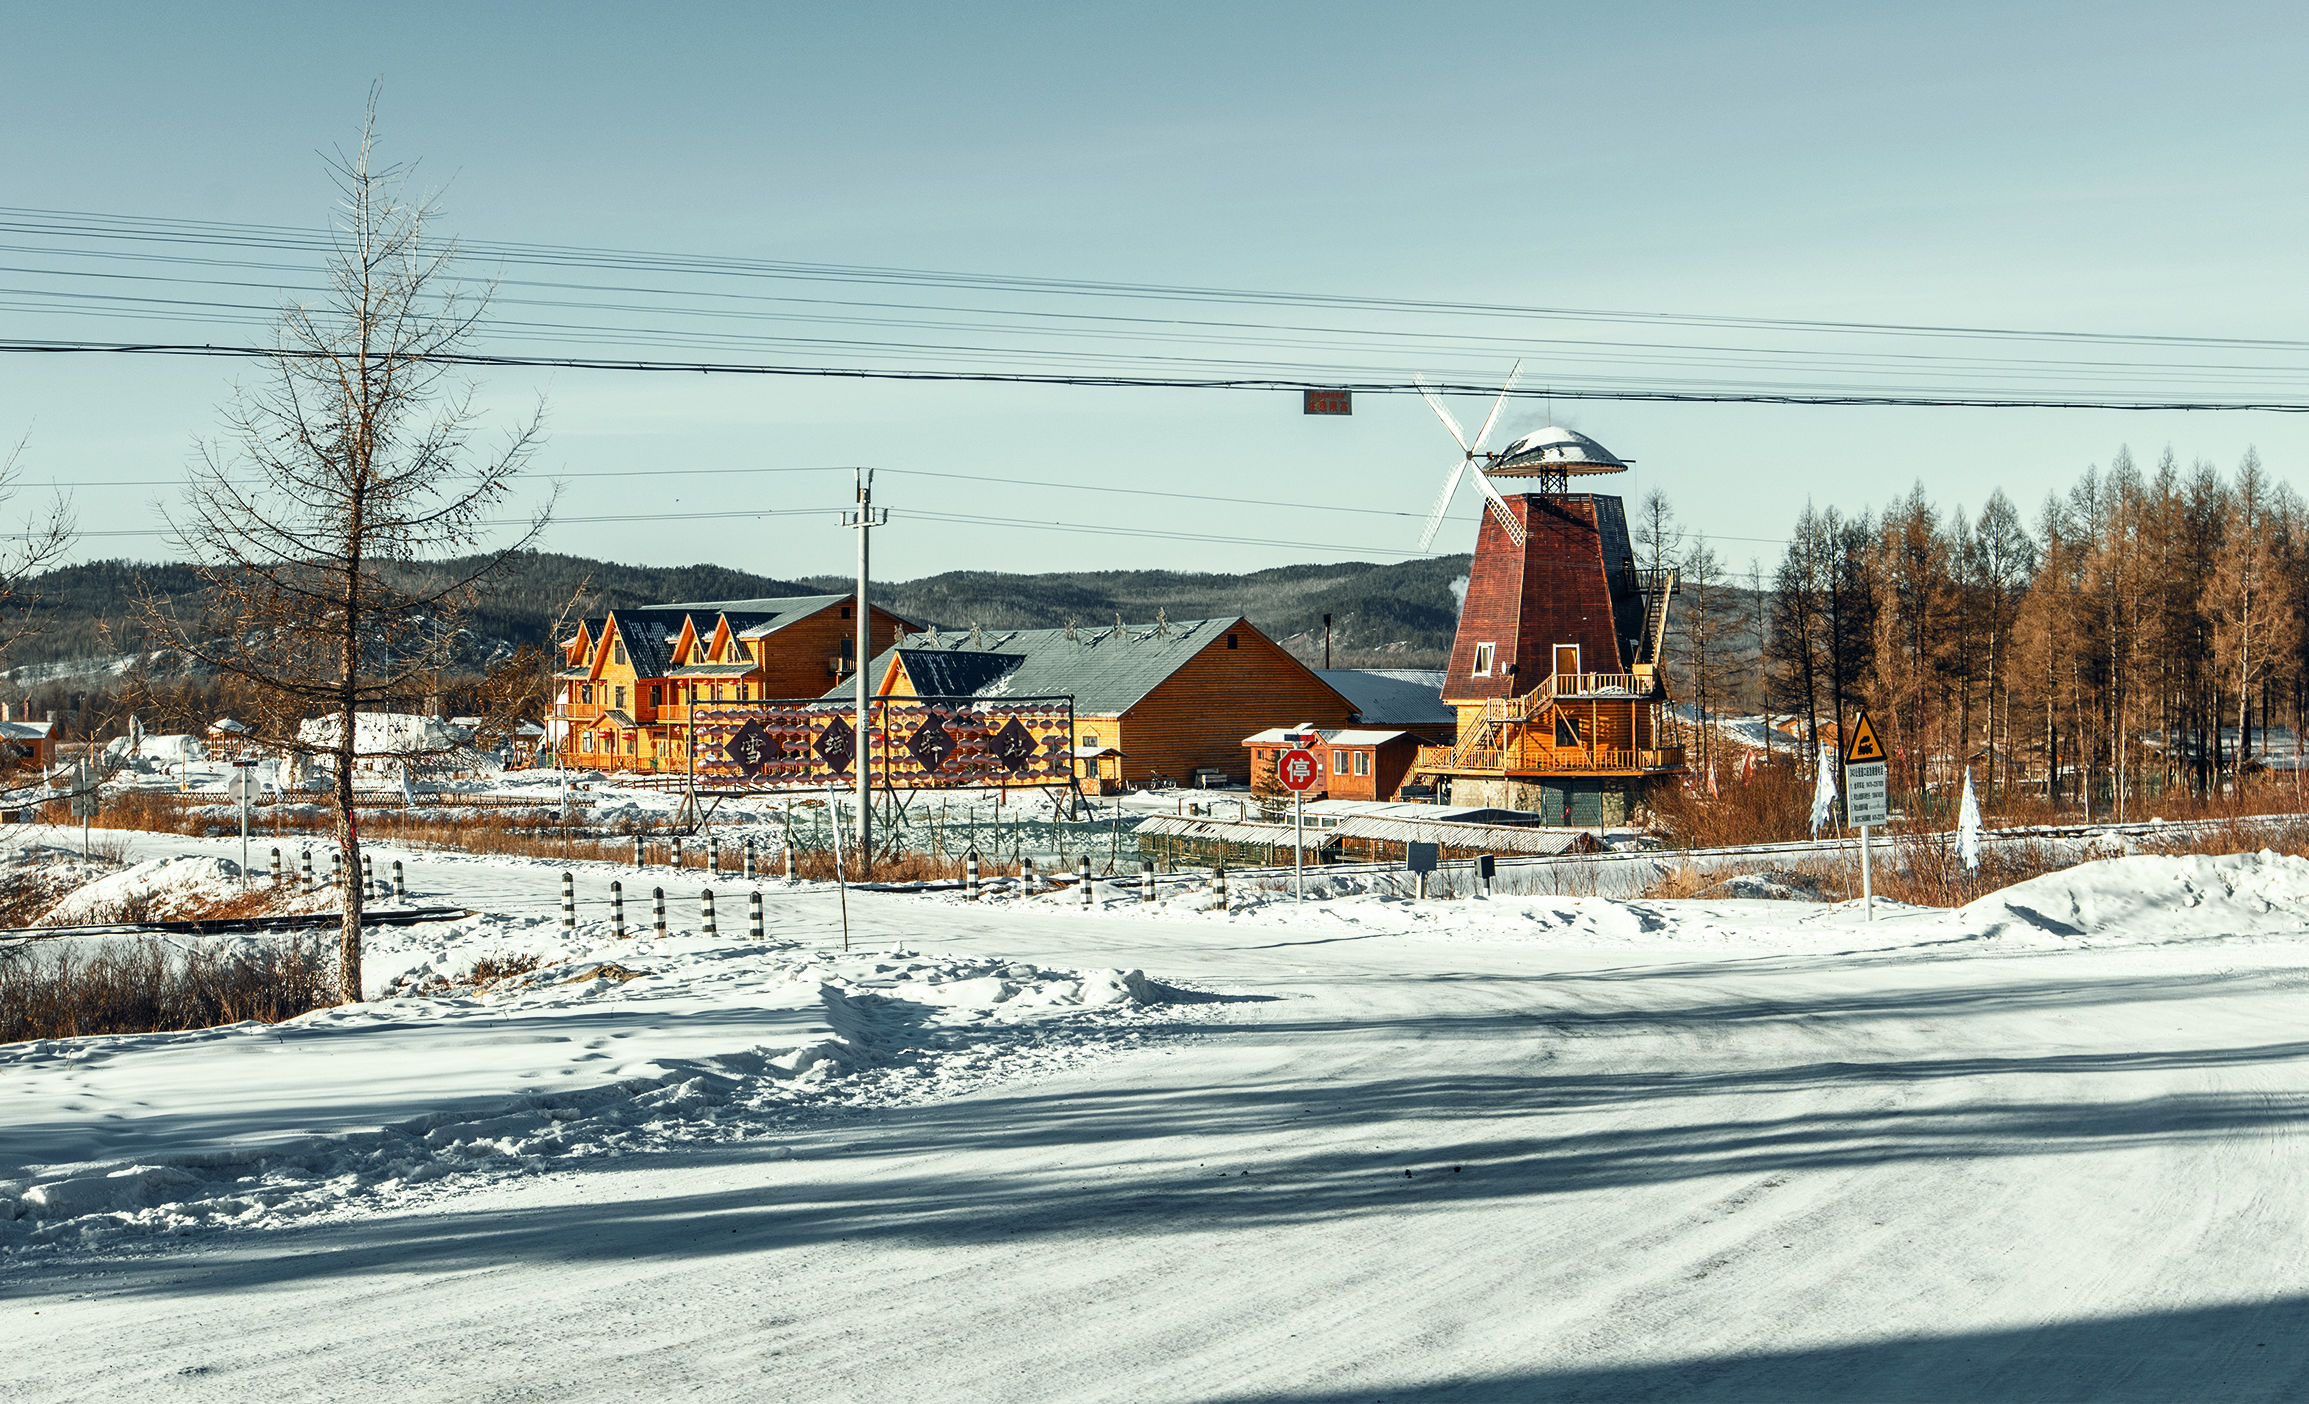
[(1168, 699), (630, 677)]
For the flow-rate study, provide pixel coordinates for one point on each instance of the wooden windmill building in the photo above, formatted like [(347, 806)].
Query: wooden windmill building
[(1556, 670)]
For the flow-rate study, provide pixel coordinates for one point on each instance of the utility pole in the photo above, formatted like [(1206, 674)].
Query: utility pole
[(865, 519), (1326, 641)]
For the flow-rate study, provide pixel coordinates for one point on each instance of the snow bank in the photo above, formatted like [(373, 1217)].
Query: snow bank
[(2149, 897), (609, 1045), (159, 889)]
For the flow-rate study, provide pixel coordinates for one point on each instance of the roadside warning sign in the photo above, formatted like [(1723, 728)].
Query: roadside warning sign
[(1863, 747)]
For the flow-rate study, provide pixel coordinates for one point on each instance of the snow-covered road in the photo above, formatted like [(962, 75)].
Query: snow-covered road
[(1513, 1150)]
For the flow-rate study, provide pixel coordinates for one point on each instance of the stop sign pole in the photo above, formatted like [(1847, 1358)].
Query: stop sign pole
[(1298, 772)]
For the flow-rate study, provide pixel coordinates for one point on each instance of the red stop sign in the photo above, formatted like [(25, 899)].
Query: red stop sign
[(1298, 769)]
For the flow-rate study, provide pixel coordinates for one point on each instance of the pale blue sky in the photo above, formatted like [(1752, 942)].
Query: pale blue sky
[(2104, 168)]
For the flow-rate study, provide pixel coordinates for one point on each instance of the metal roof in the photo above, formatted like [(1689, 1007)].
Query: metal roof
[(1492, 838), (1555, 449), (1106, 670), (1393, 696), (1231, 831), (1332, 736)]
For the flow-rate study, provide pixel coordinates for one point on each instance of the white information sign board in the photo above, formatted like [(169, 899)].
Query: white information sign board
[(1867, 794)]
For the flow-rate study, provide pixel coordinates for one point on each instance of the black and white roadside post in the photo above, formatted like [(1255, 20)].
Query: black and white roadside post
[(706, 912), (675, 843), (657, 911), (1082, 877), (84, 801), (1026, 876), (306, 863), (241, 787), (1219, 880), (276, 867), (749, 859), (1486, 868), (1146, 879), (400, 884), (617, 908), (714, 854), (1420, 858), (568, 901), (754, 927), (1299, 769), (368, 878), (1867, 797), (970, 874), (637, 850)]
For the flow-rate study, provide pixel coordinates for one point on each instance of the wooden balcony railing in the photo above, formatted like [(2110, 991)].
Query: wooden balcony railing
[(1531, 756)]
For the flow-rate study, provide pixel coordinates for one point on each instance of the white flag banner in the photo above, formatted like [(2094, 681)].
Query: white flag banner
[(1968, 826), (1824, 793)]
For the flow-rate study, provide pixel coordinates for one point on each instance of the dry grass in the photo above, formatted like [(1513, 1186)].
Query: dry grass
[(62, 991), (1924, 868)]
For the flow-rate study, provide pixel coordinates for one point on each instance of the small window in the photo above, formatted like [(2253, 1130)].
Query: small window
[(585, 742), (620, 696), (619, 652), (717, 692), (1090, 738), (585, 693), (1338, 762), (1485, 655), (741, 692), (845, 611), (1362, 762), (657, 694), (629, 743), (1566, 730), (1230, 640)]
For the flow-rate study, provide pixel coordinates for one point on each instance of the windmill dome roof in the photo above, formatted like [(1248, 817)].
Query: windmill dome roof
[(1559, 450)]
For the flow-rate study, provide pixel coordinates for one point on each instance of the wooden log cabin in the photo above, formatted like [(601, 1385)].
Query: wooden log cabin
[(1358, 763), (630, 677), (1556, 669), (1167, 700)]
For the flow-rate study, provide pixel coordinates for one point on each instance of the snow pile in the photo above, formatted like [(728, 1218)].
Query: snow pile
[(2151, 897), (606, 1046), (159, 889)]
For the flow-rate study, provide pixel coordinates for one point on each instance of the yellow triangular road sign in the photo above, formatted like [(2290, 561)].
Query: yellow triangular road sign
[(1863, 747)]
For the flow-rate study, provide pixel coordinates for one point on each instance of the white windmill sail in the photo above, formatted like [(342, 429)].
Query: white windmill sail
[(1470, 451)]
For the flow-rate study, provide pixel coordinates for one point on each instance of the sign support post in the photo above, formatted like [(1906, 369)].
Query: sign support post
[(1298, 770), (865, 519), (1867, 797)]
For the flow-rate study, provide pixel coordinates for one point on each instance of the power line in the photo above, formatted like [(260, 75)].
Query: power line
[(1188, 382)]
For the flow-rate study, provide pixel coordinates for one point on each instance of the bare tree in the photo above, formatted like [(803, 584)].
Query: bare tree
[(46, 535), (347, 464)]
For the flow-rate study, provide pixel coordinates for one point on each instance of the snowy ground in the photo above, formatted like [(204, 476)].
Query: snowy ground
[(2048, 1147)]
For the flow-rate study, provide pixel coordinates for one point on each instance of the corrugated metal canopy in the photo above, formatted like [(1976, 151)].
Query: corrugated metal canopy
[(1479, 838)]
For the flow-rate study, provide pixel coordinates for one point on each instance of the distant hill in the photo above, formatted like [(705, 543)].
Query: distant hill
[(1401, 614)]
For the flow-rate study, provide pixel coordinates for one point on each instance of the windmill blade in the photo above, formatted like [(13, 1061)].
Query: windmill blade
[(1496, 405), (1500, 509), (1442, 505), (1441, 413)]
